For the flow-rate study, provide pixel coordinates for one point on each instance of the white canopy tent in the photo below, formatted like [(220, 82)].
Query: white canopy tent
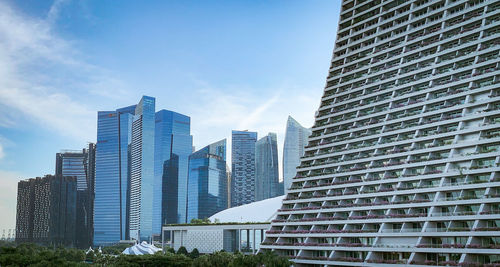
[(141, 249)]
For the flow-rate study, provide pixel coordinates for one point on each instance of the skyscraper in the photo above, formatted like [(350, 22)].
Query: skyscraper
[(293, 149), (173, 145), (142, 151), (80, 164), (243, 167), (46, 211), (402, 167), (112, 176), (207, 181), (266, 168)]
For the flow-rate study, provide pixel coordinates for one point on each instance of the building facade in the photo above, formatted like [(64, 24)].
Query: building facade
[(80, 164), (402, 167), (112, 176), (46, 211), (173, 145), (295, 140), (243, 167), (267, 183), (142, 151), (207, 181)]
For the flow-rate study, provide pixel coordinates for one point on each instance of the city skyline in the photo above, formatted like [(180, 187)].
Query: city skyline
[(98, 83)]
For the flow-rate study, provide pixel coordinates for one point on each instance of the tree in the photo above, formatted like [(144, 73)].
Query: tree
[(194, 254), (182, 250)]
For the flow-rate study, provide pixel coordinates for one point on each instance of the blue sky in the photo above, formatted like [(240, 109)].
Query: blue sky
[(226, 64)]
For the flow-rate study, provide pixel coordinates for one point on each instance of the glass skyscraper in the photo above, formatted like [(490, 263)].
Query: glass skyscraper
[(112, 175), (295, 141), (142, 170), (207, 181), (243, 167), (267, 183), (173, 145)]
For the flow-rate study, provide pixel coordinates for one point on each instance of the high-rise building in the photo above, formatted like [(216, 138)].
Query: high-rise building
[(112, 176), (243, 167), (173, 145), (228, 177), (293, 149), (267, 183), (80, 164), (46, 211), (402, 167), (207, 181), (142, 150)]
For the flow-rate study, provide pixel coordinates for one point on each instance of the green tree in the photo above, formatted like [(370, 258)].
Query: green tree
[(194, 254), (182, 250)]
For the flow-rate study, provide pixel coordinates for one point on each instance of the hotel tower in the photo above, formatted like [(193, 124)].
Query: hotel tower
[(402, 167)]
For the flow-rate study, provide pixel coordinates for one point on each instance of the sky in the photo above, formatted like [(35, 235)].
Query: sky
[(229, 65)]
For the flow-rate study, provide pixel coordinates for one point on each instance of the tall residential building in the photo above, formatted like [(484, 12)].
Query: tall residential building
[(46, 211), (243, 167), (207, 181), (142, 150), (267, 183), (112, 176), (403, 164), (295, 141), (173, 145), (80, 164)]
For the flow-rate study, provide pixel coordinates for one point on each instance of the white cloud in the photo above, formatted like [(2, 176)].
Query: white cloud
[(2, 154), (55, 9), (8, 199), (44, 78)]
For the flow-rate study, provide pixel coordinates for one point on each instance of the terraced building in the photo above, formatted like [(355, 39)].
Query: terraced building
[(402, 167)]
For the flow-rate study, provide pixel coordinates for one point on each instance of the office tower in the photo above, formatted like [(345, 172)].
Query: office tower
[(90, 167), (207, 181), (266, 168), (402, 167), (46, 211), (142, 151), (243, 167), (112, 176), (228, 177), (80, 164), (293, 149), (173, 145)]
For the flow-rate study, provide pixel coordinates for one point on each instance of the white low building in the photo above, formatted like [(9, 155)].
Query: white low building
[(240, 228)]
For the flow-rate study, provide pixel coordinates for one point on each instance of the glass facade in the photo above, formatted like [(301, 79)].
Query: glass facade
[(266, 168), (207, 181), (112, 176), (142, 170), (79, 164), (293, 149), (243, 167), (173, 145)]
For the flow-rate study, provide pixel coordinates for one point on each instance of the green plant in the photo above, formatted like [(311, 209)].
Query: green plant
[(194, 254), (182, 250)]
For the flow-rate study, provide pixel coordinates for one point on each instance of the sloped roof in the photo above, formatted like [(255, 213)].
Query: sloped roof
[(260, 211), (141, 249)]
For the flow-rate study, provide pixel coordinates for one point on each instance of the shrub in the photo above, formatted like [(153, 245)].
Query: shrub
[(194, 254), (182, 250)]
